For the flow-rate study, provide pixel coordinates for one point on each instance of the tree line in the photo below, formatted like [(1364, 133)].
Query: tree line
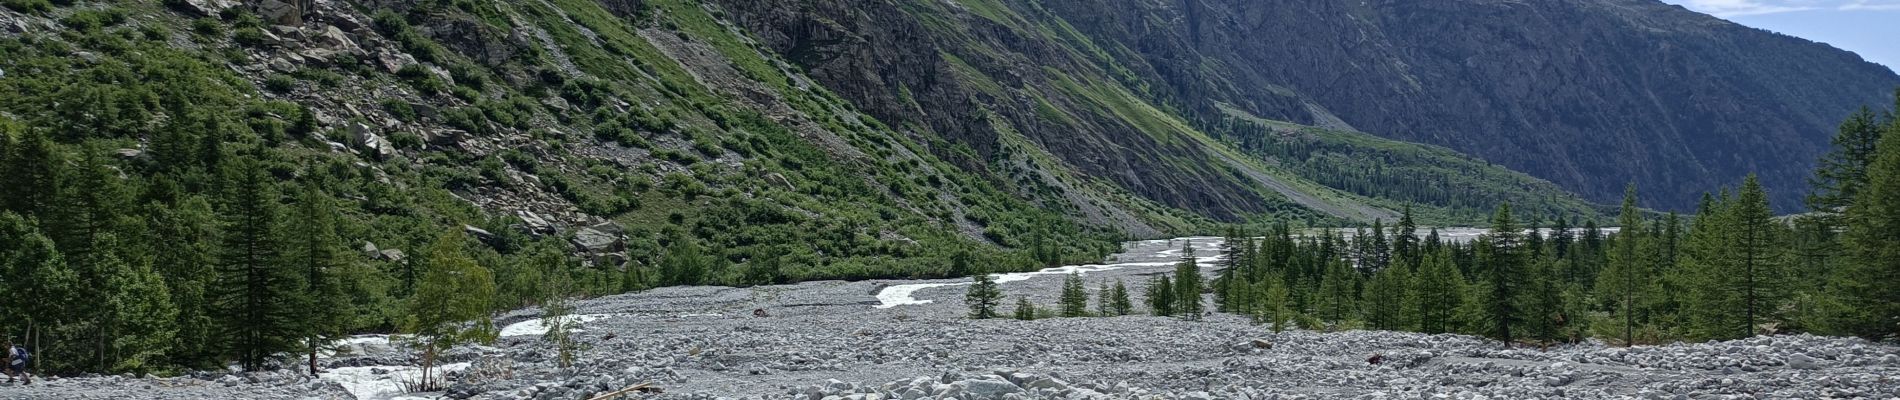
[(1732, 270)]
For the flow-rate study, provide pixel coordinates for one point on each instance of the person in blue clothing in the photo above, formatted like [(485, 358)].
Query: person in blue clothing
[(17, 358)]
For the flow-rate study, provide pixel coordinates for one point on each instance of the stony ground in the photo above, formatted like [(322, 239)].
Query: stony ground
[(826, 339)]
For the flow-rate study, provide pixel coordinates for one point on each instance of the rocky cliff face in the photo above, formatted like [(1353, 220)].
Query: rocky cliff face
[(1588, 94)]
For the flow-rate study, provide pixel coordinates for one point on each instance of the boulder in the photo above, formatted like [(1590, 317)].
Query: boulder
[(203, 8), (535, 224), (989, 389), (390, 255), (594, 241), (480, 234), (372, 144), (330, 37), (1803, 361), (281, 12)]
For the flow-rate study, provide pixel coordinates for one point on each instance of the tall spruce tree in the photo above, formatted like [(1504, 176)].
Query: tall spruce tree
[(1503, 277), (983, 297), (1623, 281), (1161, 296), (315, 251), (1075, 296), (1187, 285), (1871, 282), (1121, 304), (257, 294), (1757, 250), (1405, 240), (1439, 293)]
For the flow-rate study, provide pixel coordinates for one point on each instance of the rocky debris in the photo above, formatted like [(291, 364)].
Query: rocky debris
[(595, 241), (480, 234), (824, 340), (371, 143), (534, 224), (390, 255), (203, 8), (280, 12)]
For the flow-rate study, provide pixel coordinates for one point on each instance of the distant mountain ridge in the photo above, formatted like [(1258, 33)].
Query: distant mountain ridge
[(1588, 94)]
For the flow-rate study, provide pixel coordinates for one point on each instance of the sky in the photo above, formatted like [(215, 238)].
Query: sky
[(1870, 28)]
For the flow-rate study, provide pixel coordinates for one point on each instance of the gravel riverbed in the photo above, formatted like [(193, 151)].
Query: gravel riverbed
[(864, 340)]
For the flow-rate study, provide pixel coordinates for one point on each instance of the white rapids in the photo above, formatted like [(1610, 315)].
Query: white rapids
[(904, 295)]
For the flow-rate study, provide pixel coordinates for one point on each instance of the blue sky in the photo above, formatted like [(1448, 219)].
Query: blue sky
[(1870, 28)]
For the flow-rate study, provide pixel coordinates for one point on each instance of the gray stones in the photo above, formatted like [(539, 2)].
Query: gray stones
[(1803, 361), (594, 241), (281, 12)]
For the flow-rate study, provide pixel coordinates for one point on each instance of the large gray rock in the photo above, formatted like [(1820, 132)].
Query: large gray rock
[(204, 8), (594, 241), (281, 12), (989, 389)]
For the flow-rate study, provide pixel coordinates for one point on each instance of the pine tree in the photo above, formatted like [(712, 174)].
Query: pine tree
[(1276, 306), (450, 306), (684, 264), (1380, 253), (1385, 299), (1756, 248), (31, 174), (1624, 280), (983, 297), (1503, 276), (256, 294), (41, 288), (1439, 293), (1873, 243), (1025, 311), (1104, 300), (1075, 297), (1844, 171), (139, 319), (1544, 302), (1187, 285), (1161, 296), (1405, 240), (1336, 294), (189, 230), (315, 251), (1708, 304), (1122, 305)]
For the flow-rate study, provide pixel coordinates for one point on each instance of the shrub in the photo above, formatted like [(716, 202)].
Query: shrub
[(29, 6), (280, 83), (207, 27), (250, 36)]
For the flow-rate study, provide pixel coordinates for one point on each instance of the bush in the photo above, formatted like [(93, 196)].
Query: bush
[(421, 79), (401, 110), (250, 36), (29, 6), (280, 83), (89, 20), (207, 27)]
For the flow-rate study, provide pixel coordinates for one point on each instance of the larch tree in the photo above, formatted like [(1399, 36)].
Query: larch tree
[(983, 297), (1622, 281), (257, 294), (1503, 277), (1075, 296), (450, 306), (315, 251), (1871, 282)]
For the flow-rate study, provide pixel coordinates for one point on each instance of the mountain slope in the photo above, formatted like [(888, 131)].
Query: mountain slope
[(1588, 94)]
